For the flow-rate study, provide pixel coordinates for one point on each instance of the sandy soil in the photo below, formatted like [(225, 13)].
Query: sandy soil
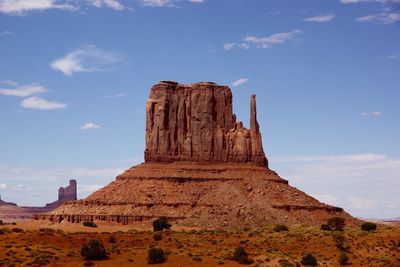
[(43, 243)]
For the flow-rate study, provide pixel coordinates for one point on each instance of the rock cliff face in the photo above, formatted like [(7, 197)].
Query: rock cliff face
[(195, 123)]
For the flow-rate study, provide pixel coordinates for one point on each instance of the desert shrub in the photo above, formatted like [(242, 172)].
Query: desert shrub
[(1, 222), (325, 227), (111, 239), (17, 230), (368, 226), (161, 224), (155, 255), (157, 236), (93, 250), (309, 260), (343, 258), (4, 230), (336, 223), (281, 228), (339, 241), (240, 255), (89, 224)]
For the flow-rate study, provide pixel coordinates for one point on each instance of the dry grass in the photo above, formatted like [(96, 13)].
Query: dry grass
[(59, 245)]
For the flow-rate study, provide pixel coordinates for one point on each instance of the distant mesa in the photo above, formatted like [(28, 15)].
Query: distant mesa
[(10, 210), (2, 202), (202, 168)]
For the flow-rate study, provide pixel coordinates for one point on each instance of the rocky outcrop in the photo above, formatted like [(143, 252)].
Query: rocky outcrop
[(2, 202), (202, 168), (68, 193), (195, 123)]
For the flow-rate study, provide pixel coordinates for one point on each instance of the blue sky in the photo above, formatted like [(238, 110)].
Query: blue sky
[(75, 75)]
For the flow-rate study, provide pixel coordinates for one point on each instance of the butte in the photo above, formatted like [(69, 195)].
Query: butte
[(202, 168)]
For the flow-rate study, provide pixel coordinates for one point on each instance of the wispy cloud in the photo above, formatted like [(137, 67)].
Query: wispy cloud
[(88, 58), (320, 18), (114, 4), (116, 96), (6, 32), (3, 186), (239, 82), (366, 185), (23, 90), (374, 113), (90, 126), (40, 103), (385, 18), (167, 3), (263, 42), (363, 1), (19, 7)]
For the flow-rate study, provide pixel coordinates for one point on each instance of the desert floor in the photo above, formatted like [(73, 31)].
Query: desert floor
[(42, 243)]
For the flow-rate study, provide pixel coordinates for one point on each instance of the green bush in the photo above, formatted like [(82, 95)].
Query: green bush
[(309, 260), (155, 255), (240, 255), (157, 236), (161, 224), (93, 250), (281, 228), (325, 227), (368, 226), (336, 223), (343, 258), (339, 239), (89, 224)]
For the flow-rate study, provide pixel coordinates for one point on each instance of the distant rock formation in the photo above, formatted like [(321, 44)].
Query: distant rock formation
[(2, 202), (68, 193), (195, 123), (202, 168), (10, 210)]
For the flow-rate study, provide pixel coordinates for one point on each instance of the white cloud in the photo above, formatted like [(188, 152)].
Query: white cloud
[(385, 18), (9, 82), (320, 18), (156, 3), (23, 90), (239, 82), (114, 4), (90, 126), (366, 185), (263, 42), (360, 1), (374, 113), (88, 58), (167, 3), (116, 96), (18, 7), (3, 186), (40, 103)]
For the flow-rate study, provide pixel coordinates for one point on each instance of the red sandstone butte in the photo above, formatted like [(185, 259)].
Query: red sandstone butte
[(202, 168)]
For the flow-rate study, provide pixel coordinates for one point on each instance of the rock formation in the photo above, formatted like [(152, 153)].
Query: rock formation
[(68, 193), (10, 210), (202, 168), (2, 202), (195, 123)]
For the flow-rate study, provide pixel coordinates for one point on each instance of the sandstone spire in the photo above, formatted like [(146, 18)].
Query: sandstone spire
[(196, 123)]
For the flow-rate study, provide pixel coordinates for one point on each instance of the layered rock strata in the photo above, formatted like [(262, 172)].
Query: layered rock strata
[(202, 168), (195, 123)]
